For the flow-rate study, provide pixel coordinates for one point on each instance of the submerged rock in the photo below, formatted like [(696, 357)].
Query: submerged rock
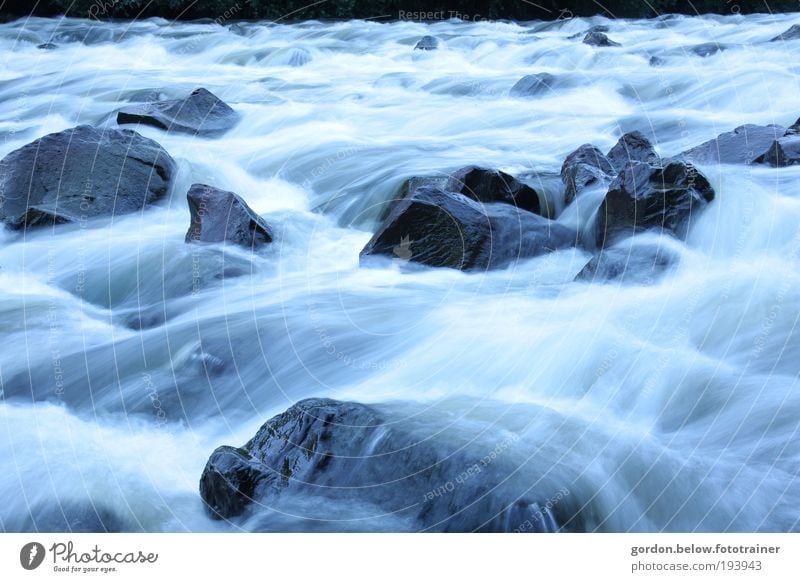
[(202, 113), (743, 145), (289, 56), (707, 49), (446, 229), (586, 167), (792, 33), (72, 517), (645, 196), (533, 85), (221, 216), (345, 451), (427, 43), (598, 39), (488, 185), (81, 173), (628, 262)]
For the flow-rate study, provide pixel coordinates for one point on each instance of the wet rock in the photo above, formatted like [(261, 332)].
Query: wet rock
[(202, 113), (81, 173), (221, 216), (596, 28), (792, 33), (446, 229), (632, 147), (409, 186), (586, 167), (533, 85), (783, 152), (599, 39), (645, 196), (743, 145), (488, 185), (345, 451), (229, 480), (47, 46), (427, 43)]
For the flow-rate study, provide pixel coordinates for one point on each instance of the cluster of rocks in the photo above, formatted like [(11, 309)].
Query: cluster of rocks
[(87, 172), (482, 218)]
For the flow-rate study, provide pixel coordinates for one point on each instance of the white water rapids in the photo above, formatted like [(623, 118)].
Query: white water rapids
[(673, 406)]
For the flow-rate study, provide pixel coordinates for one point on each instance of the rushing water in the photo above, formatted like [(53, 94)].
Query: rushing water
[(673, 406)]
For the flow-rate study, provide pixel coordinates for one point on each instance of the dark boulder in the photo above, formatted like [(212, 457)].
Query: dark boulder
[(229, 480), (743, 145), (598, 39), (81, 173), (645, 196), (221, 216), (345, 452), (632, 147), (533, 85), (408, 187), (792, 33), (446, 229), (202, 113), (487, 185), (47, 46), (427, 43), (783, 152), (628, 262), (585, 167)]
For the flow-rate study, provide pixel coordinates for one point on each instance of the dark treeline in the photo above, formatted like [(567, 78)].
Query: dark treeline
[(290, 10)]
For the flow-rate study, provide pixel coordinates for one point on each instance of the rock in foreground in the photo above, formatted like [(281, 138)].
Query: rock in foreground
[(221, 216), (446, 229), (645, 196), (82, 173), (349, 452), (202, 113)]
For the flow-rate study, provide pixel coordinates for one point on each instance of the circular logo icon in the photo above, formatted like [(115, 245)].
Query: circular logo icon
[(31, 555)]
